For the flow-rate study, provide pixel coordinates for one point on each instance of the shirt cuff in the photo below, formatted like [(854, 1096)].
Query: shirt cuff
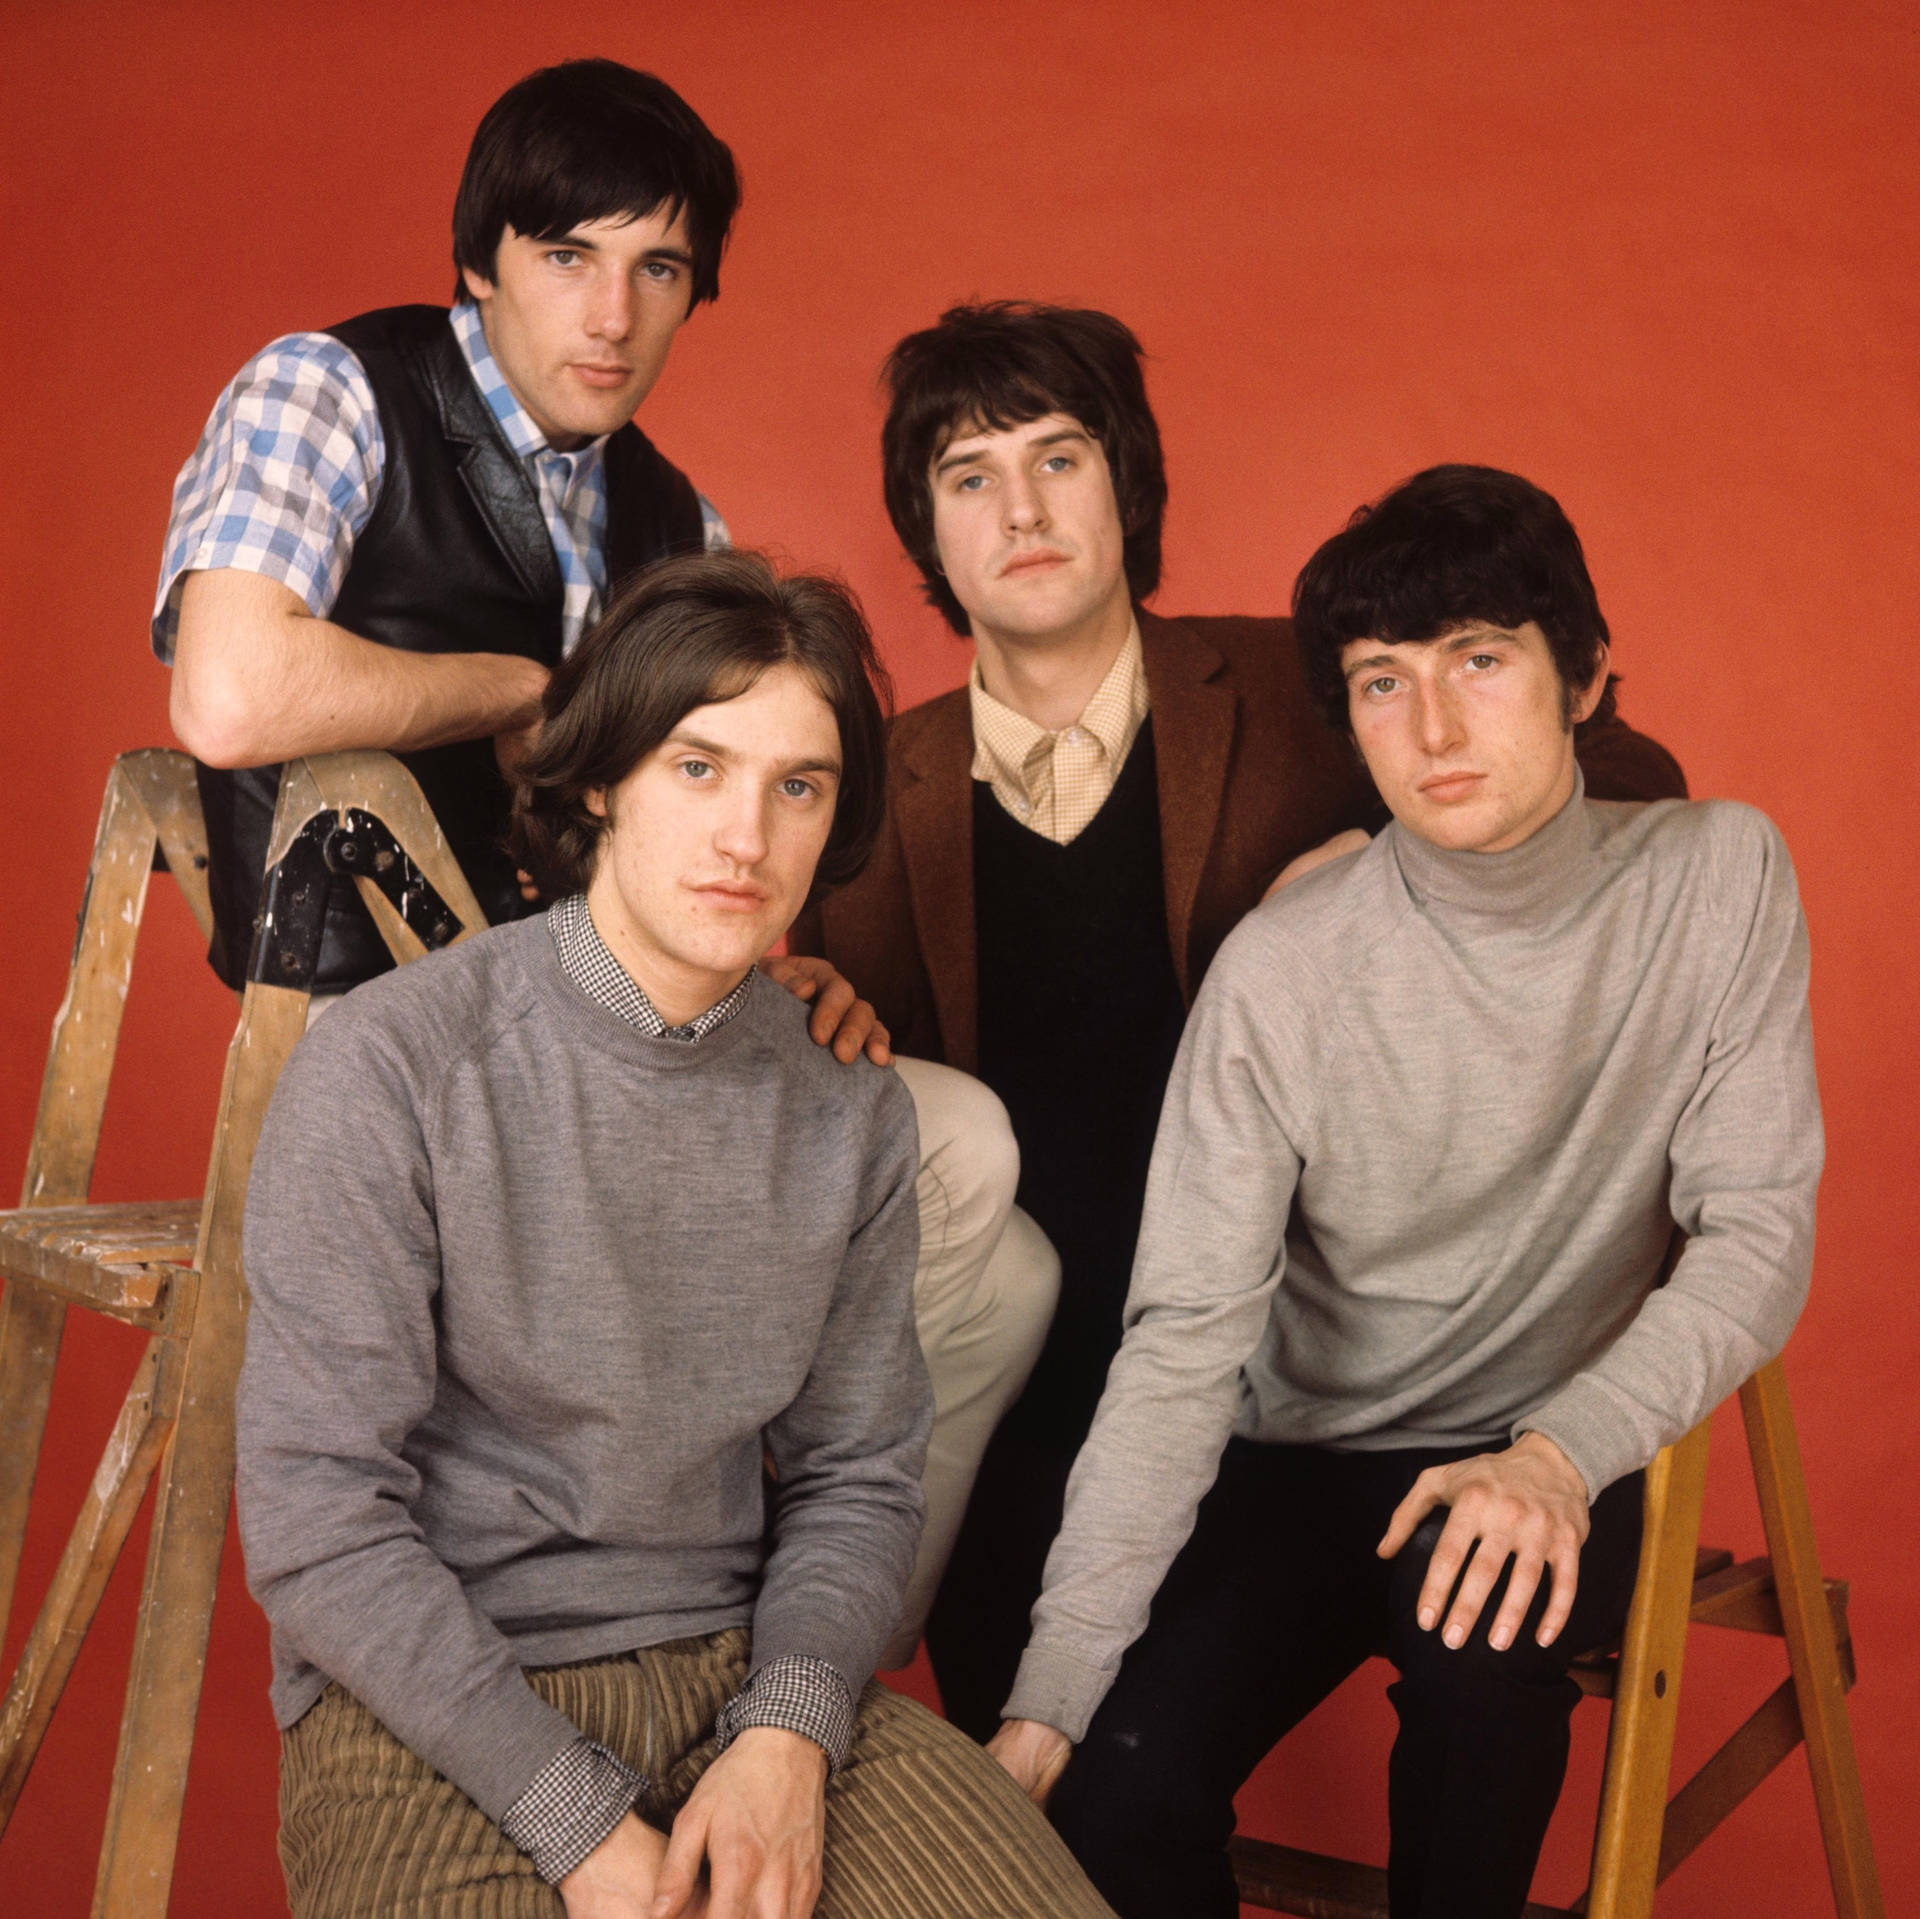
[(576, 1799), (797, 1694)]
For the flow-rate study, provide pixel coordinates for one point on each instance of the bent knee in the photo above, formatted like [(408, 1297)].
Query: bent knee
[(966, 1142)]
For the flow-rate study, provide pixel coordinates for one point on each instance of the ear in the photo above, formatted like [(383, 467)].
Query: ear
[(478, 290), (596, 799), (1587, 700)]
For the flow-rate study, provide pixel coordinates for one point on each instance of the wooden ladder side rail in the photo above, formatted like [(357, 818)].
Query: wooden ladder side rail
[(194, 1481), (1646, 1697), (151, 806), (1813, 1649)]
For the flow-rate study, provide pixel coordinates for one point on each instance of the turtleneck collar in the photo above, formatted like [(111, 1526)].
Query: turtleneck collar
[(1541, 874)]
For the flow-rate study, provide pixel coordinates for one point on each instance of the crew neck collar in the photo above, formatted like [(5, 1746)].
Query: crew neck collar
[(1539, 875)]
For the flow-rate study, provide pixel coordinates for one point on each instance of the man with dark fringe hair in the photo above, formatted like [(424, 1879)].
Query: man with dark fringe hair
[(1069, 839), (582, 1419)]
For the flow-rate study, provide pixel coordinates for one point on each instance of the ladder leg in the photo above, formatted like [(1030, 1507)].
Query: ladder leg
[(1646, 1701), (192, 1496), (31, 1323), (1811, 1647), (93, 1549)]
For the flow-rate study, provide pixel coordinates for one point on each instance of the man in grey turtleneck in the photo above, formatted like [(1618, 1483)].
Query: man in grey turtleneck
[(1436, 1115)]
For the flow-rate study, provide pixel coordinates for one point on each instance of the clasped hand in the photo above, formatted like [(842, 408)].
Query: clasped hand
[(1529, 1503), (756, 1820)]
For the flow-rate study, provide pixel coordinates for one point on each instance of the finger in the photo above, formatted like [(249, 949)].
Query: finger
[(1450, 1553), (880, 1045), (1565, 1562), (1409, 1513), (1521, 1588), (851, 1037), (680, 1869), (830, 1006), (1483, 1572)]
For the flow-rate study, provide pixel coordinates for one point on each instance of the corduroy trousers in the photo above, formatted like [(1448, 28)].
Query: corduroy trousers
[(921, 1824)]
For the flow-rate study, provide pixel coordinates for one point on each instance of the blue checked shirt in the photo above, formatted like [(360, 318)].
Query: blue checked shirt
[(288, 471)]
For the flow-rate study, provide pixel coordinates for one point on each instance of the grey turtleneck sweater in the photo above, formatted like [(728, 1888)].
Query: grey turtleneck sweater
[(1433, 1121)]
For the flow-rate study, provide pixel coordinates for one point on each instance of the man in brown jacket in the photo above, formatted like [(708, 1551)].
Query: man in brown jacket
[(1069, 839)]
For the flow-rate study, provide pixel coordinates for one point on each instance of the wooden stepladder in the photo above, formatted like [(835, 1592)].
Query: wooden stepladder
[(172, 1268), (1642, 1836)]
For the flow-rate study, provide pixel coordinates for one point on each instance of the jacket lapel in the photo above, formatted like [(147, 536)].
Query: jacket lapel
[(1193, 727), (934, 818), (497, 483)]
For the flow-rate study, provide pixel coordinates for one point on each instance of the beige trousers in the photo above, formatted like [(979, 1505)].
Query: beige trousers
[(921, 1824), (983, 1296)]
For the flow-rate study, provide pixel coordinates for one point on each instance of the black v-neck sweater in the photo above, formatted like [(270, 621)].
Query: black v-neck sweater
[(1080, 1015)]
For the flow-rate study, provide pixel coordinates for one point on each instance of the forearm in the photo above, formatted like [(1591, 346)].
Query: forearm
[(257, 679)]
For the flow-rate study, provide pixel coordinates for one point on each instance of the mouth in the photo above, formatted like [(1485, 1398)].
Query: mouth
[(732, 896), (592, 374), (1036, 560), (1445, 788)]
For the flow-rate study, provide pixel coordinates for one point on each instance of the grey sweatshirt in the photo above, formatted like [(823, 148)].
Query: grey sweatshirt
[(529, 1288), (1432, 1123)]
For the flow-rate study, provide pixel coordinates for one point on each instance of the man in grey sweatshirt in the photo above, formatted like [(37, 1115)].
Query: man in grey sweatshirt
[(1396, 1349), (553, 1239)]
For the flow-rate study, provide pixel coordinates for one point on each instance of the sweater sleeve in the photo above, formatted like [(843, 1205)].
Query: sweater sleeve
[(1744, 1162), (1211, 1253), (848, 1451), (342, 1262)]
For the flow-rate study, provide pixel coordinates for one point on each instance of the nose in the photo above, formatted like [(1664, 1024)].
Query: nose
[(1025, 511), (740, 833), (1437, 721), (610, 310)]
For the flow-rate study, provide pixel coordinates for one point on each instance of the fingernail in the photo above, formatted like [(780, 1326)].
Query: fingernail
[(1427, 1617), (1500, 1640), (1455, 1637)]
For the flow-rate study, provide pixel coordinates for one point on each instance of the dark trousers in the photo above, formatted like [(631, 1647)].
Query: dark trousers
[(980, 1620), (1275, 1599)]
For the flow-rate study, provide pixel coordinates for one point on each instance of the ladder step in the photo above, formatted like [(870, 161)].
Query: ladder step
[(120, 1260)]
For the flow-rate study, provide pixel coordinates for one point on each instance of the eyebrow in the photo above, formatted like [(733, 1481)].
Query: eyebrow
[(714, 751), (1470, 639), (1055, 438)]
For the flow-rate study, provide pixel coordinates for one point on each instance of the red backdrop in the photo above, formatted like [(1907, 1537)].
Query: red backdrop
[(1658, 259)]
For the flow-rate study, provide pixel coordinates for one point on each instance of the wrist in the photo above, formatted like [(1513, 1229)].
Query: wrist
[(1539, 1447)]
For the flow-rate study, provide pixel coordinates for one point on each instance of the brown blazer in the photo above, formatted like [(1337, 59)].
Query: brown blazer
[(1248, 776)]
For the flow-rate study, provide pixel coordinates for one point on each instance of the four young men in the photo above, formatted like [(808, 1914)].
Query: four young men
[(1434, 1114)]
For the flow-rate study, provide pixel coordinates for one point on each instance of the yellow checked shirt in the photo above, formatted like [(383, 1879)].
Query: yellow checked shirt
[(1054, 783)]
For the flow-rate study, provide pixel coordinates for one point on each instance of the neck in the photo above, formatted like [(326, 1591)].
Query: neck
[(1048, 678), (1523, 880), (676, 991)]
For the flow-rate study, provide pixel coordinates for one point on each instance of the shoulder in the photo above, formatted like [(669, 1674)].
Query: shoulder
[(1727, 854), (1313, 931), (312, 364), (866, 1105), (1246, 646), (405, 1031), (934, 736)]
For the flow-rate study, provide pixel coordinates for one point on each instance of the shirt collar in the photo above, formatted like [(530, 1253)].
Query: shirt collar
[(1011, 745), (588, 961), (526, 439)]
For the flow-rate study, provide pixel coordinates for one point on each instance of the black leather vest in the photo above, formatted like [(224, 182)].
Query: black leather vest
[(456, 558)]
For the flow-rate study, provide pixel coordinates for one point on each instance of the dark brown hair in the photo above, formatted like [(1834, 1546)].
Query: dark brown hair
[(1451, 545), (987, 368), (592, 140), (691, 632)]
